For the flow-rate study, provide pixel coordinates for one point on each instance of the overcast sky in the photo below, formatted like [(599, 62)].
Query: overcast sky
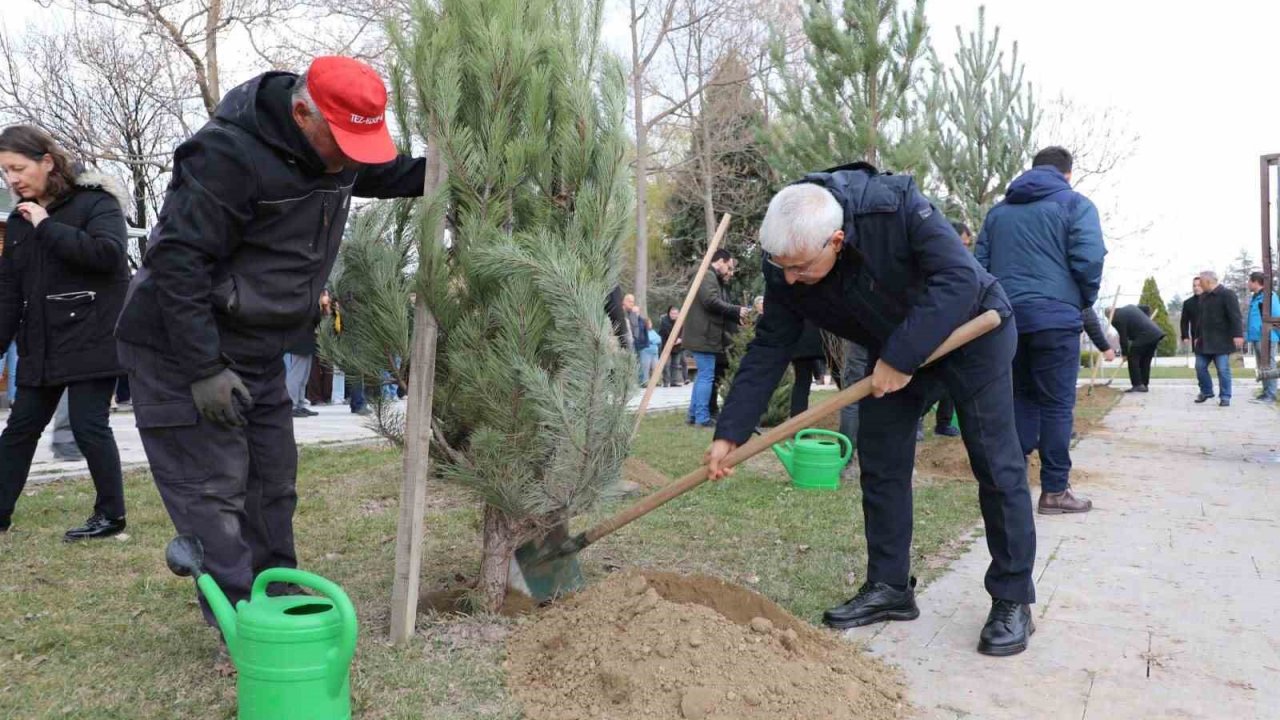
[(1199, 88)]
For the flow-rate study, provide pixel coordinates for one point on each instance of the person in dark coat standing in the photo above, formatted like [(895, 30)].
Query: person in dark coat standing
[(675, 373), (706, 334), (63, 278), (1189, 322), (1139, 336), (245, 241), (866, 257), (1221, 333), (805, 355)]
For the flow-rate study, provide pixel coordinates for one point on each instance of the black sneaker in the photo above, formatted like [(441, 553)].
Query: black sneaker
[(946, 431), (1009, 627), (1202, 397), (302, 412), (96, 527), (875, 602), (1224, 402)]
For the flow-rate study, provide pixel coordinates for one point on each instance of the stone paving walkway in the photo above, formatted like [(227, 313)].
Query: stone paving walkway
[(1161, 603), (334, 425)]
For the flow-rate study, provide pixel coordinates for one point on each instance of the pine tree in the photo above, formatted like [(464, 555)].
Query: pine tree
[(1151, 298), (369, 333), (858, 97), (531, 391), (982, 118)]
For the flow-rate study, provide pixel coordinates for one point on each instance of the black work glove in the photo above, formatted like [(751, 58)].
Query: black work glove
[(216, 397)]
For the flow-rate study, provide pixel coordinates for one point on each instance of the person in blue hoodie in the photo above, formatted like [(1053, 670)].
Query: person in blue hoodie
[(1253, 334), (1044, 243), (864, 256)]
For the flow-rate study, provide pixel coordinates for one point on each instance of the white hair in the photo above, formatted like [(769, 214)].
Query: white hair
[(303, 95), (800, 218), (1210, 276)]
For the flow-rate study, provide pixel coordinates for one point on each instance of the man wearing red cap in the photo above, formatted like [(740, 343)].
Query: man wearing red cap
[(233, 275)]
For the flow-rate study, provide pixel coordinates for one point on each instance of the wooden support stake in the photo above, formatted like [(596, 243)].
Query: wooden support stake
[(675, 330), (417, 438)]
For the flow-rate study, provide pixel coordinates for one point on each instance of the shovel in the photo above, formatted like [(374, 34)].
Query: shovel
[(547, 568)]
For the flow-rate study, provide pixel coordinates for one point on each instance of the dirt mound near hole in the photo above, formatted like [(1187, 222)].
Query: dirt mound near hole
[(659, 645)]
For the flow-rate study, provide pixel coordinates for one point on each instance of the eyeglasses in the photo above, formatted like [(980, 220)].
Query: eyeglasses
[(803, 269)]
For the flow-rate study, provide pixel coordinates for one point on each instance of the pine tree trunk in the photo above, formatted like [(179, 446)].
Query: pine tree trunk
[(499, 545)]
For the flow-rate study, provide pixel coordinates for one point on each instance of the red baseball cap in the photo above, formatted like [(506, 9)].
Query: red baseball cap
[(353, 100)]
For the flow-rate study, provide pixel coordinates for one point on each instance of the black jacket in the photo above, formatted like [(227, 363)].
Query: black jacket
[(62, 285), (665, 326), (710, 317), (901, 284), (809, 346), (1219, 321), (1190, 321), (247, 236), (1135, 328), (1093, 328)]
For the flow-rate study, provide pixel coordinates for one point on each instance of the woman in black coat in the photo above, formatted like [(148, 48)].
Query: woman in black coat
[(63, 277)]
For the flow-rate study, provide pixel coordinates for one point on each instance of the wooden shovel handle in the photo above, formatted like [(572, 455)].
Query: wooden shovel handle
[(975, 328), (679, 324)]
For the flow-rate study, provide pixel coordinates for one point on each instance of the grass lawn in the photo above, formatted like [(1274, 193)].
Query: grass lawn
[(103, 630)]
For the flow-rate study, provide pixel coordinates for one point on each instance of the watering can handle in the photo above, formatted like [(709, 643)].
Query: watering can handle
[(845, 443), (339, 664)]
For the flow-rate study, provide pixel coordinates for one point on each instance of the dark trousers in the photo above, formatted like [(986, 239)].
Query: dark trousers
[(122, 389), (356, 385), (320, 384), (722, 367), (89, 407), (886, 451), (804, 369), (1044, 394), (234, 488), (1140, 357)]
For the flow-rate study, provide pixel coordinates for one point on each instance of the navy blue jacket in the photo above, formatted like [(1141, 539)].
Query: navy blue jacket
[(901, 284), (1044, 243)]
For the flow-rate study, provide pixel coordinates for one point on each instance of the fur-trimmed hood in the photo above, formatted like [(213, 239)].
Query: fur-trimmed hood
[(91, 180), (95, 180)]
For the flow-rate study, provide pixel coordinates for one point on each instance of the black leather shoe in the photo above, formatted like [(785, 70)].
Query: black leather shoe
[(97, 526), (1224, 402), (875, 602), (1202, 397), (946, 431), (1009, 626)]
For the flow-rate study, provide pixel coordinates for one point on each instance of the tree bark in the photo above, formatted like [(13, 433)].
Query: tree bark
[(642, 168), (212, 18), (500, 540)]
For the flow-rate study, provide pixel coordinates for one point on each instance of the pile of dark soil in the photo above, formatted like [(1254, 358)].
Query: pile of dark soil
[(659, 645)]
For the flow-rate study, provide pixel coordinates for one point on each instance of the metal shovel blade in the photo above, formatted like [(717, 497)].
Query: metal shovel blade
[(545, 569)]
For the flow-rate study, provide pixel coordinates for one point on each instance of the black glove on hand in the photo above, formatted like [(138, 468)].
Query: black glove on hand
[(216, 396)]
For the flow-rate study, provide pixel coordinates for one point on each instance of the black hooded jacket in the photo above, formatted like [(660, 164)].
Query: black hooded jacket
[(62, 284), (248, 234)]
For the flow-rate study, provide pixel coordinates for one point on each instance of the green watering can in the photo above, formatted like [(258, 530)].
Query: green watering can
[(815, 458), (292, 653)]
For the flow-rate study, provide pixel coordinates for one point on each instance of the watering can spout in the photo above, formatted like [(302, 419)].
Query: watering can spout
[(786, 454), (185, 557), (222, 612)]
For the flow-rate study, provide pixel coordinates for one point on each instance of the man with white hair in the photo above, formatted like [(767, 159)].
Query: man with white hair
[(1221, 327), (866, 257), (233, 275)]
